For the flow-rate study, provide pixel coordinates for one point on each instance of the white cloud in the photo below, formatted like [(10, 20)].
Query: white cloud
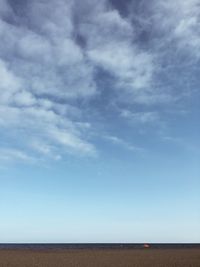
[(140, 117), (45, 132), (34, 47), (52, 19), (48, 61), (11, 154), (116, 51), (72, 141), (132, 69), (122, 143), (9, 83), (180, 20), (50, 57), (24, 98), (40, 63), (10, 116)]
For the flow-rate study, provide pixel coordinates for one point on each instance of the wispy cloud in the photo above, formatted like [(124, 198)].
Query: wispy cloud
[(44, 66), (122, 143), (179, 21), (140, 117), (54, 56), (13, 155), (41, 66), (115, 51)]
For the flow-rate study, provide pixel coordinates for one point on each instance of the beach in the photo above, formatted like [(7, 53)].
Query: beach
[(189, 257)]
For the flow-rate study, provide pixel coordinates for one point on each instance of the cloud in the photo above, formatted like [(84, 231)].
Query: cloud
[(45, 69), (42, 68), (55, 55), (179, 20), (120, 142), (115, 50), (10, 154), (5, 8), (10, 83), (72, 141), (140, 117)]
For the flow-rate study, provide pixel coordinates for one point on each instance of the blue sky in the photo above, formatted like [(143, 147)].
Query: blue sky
[(99, 121)]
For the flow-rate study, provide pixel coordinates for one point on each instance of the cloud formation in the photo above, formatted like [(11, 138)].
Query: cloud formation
[(180, 21), (54, 56), (41, 69)]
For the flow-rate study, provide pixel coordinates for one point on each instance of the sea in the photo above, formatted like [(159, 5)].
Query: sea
[(59, 246)]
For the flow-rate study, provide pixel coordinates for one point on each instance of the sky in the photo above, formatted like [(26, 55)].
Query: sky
[(99, 121)]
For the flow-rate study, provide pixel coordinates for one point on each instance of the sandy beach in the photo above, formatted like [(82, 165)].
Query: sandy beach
[(100, 258)]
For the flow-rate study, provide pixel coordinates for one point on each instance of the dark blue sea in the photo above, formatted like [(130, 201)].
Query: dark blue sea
[(59, 246)]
